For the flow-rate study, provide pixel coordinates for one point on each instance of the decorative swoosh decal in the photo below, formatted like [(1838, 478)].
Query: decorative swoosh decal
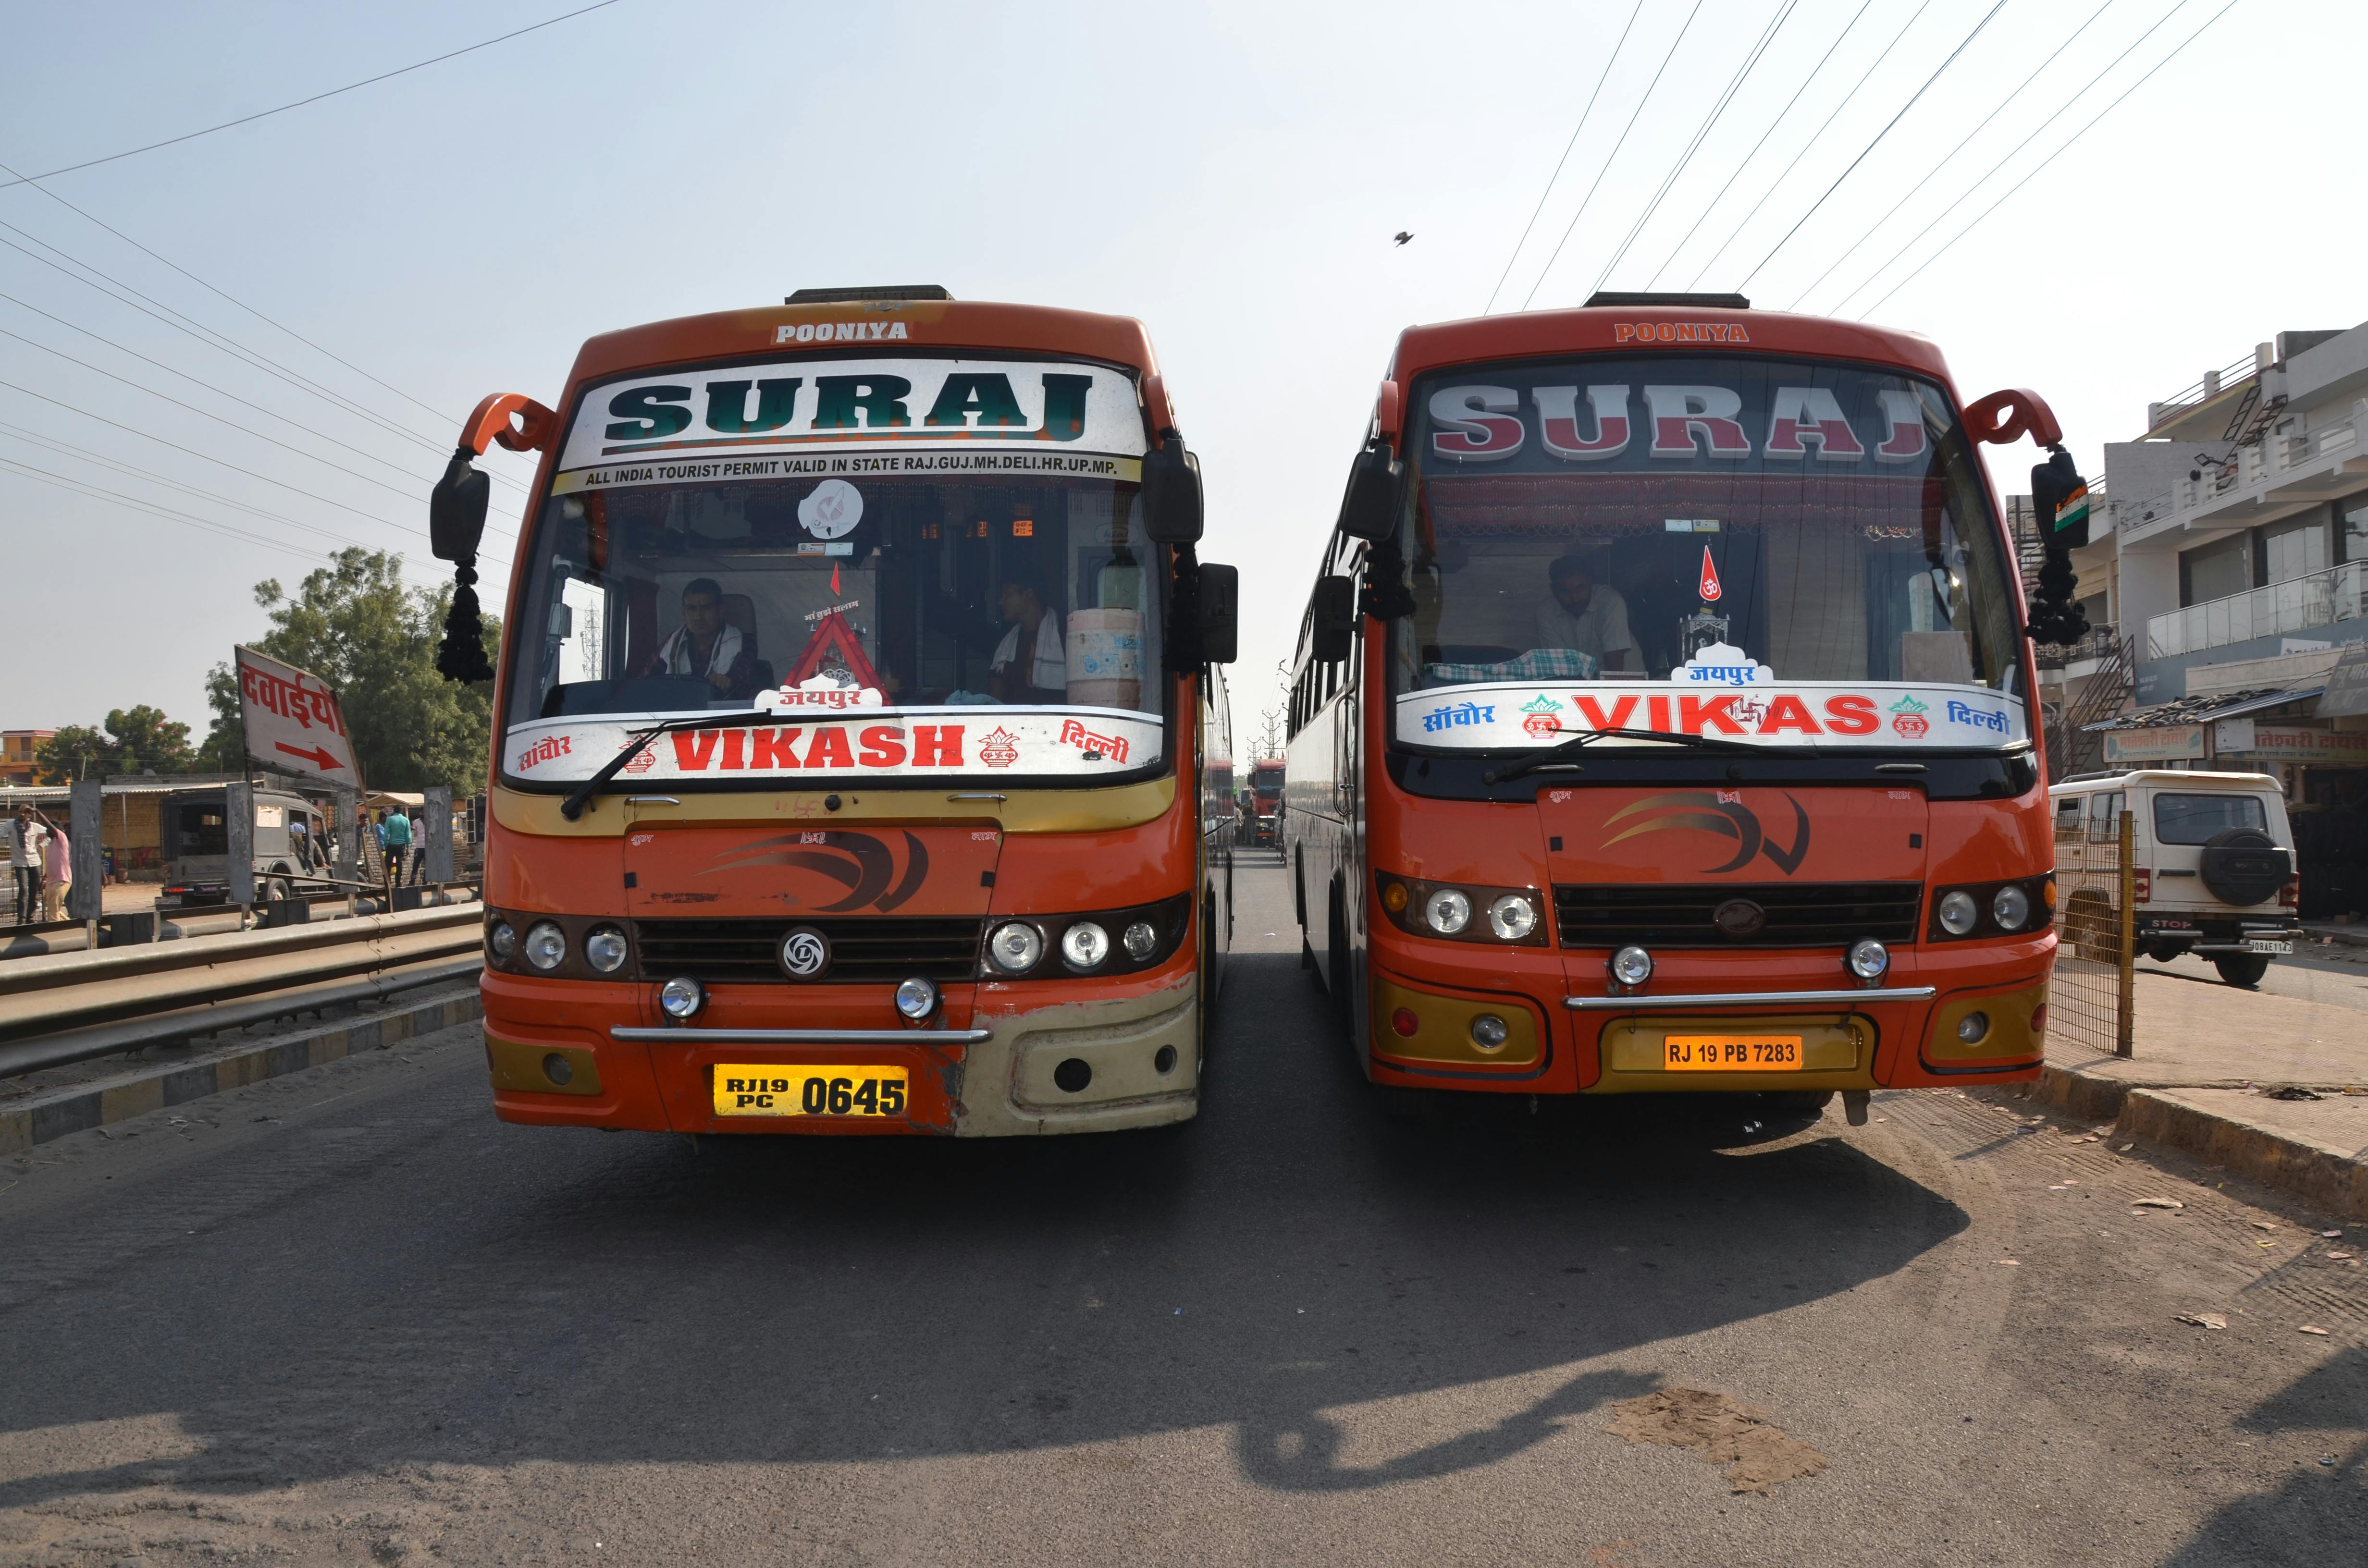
[(1703, 811), (916, 872)]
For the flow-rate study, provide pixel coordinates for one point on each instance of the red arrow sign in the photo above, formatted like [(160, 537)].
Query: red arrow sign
[(316, 756)]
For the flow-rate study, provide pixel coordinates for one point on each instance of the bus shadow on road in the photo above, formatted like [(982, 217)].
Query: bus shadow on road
[(1294, 1251), (2315, 1515)]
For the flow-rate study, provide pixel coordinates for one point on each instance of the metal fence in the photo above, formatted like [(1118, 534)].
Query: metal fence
[(2089, 999)]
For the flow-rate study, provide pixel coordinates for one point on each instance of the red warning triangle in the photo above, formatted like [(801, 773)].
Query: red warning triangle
[(832, 646), (1709, 578)]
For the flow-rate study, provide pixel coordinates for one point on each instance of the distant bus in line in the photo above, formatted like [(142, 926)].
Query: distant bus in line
[(1662, 718), (862, 764)]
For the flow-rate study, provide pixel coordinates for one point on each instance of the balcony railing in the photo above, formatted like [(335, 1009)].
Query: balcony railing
[(2186, 400), (2301, 604), (2272, 460)]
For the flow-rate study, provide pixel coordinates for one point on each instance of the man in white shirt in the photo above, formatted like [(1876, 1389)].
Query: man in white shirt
[(27, 838), (1029, 664), (707, 645), (1585, 615)]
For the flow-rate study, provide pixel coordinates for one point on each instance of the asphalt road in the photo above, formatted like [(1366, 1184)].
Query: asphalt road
[(349, 1317)]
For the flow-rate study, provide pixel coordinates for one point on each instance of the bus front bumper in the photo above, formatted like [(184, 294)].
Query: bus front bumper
[(1023, 1058)]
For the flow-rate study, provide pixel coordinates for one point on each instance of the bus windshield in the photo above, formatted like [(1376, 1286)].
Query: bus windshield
[(1005, 616), (1788, 551)]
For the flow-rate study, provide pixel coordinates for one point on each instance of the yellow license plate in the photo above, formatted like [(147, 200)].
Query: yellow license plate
[(1731, 1053), (803, 1090)]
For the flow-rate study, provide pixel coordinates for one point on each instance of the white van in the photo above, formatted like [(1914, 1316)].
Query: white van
[(2214, 864)]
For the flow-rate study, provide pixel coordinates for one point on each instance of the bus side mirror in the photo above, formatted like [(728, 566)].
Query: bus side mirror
[(1334, 613), (1171, 493), (1369, 508), (1221, 598), (456, 509)]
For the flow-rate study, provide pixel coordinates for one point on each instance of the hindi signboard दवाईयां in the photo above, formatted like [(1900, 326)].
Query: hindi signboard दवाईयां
[(292, 720)]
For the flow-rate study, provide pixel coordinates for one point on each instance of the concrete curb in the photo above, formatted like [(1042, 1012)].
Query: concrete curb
[(81, 1106), (2328, 1180)]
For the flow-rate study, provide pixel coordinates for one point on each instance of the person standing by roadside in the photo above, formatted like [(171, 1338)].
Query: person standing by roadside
[(26, 835), (397, 829), (57, 865)]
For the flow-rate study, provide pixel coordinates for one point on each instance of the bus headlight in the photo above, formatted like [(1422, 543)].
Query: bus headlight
[(1869, 960), (502, 941), (1959, 913), (1631, 966), (2010, 908), (1084, 944), (604, 949), (1014, 946), (681, 997), (1447, 911), (1512, 918), (916, 998), (546, 946)]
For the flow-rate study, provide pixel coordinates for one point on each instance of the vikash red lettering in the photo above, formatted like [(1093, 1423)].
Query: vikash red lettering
[(1849, 715), (937, 745), (1788, 712), (884, 746), (770, 749), (693, 749), (1696, 712), (829, 750), (1623, 709), (735, 742)]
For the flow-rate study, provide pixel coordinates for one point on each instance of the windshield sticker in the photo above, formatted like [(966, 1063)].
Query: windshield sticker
[(885, 742), (1717, 663), (832, 509), (807, 405), (1765, 711), (1709, 588)]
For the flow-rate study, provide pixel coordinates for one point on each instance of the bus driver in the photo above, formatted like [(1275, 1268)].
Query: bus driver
[(706, 644), (1584, 615)]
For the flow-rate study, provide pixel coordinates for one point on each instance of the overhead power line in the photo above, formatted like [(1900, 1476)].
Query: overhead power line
[(1871, 146), (2051, 157), (1814, 137), (2049, 59), (1551, 178), (1767, 37), (1613, 156), (1761, 144), (300, 103), (443, 417), (61, 481), (1991, 172)]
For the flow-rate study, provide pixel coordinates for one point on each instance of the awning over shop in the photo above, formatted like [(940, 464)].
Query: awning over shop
[(2203, 710)]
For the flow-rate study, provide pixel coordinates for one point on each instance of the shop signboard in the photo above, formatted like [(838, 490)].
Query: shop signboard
[(2166, 743), (2254, 740), (2347, 685)]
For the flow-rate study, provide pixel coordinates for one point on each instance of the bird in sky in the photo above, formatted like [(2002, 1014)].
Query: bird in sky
[(1402, 236)]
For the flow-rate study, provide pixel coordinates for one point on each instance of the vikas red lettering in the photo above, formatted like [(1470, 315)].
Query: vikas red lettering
[(761, 750)]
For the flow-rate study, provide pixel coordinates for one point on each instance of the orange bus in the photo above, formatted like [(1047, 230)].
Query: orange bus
[(851, 725), (1661, 718)]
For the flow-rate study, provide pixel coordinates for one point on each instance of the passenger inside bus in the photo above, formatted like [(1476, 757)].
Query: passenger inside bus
[(1029, 664)]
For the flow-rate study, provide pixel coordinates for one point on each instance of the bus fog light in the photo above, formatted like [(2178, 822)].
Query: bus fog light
[(1631, 966), (1084, 944), (1014, 946), (1447, 911), (1959, 913), (502, 941), (1141, 941), (916, 998), (1393, 898), (1512, 918), (546, 947), (1973, 1027), (2010, 908), (1869, 960), (604, 949), (558, 1069), (1488, 1032), (681, 997)]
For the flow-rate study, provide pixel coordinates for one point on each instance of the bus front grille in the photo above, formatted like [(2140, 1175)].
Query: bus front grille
[(1810, 914), (861, 950)]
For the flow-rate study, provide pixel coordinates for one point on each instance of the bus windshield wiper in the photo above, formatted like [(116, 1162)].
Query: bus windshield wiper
[(1576, 742), (575, 805)]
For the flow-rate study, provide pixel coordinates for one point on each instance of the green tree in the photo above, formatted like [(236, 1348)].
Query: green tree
[(356, 625), (135, 740)]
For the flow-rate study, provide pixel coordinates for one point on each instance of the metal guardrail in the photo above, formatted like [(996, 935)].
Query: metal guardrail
[(72, 1007)]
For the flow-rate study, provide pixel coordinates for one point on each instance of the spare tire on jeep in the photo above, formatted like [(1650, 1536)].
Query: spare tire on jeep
[(2243, 866)]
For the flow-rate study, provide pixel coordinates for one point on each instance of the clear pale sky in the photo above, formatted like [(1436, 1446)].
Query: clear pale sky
[(1232, 175)]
